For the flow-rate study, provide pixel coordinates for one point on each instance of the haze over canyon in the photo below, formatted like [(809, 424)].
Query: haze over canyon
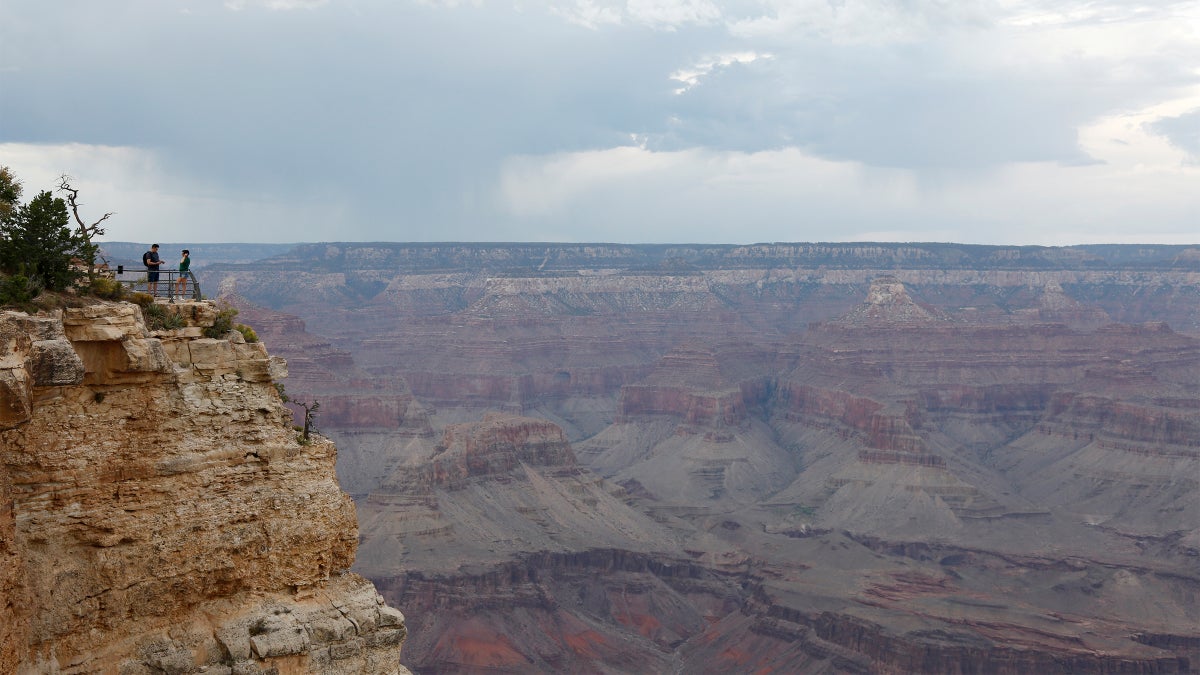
[(819, 458)]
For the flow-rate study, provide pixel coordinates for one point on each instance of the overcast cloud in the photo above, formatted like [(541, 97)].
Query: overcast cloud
[(997, 121)]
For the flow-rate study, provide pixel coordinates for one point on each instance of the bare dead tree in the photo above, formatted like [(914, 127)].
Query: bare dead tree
[(310, 416), (86, 231)]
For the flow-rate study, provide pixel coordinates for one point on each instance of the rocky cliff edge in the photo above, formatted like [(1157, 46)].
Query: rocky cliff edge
[(158, 513)]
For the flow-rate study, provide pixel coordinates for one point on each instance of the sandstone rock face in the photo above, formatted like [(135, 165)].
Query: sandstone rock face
[(157, 513), (14, 587), (21, 363)]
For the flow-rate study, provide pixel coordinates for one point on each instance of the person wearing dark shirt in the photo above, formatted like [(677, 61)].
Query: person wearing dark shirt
[(151, 261)]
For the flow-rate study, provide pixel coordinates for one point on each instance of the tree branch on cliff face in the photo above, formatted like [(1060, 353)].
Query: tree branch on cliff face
[(86, 232), (310, 417)]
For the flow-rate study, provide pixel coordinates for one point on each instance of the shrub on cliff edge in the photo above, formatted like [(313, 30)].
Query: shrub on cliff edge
[(222, 324), (106, 288), (247, 332), (17, 290), (158, 318)]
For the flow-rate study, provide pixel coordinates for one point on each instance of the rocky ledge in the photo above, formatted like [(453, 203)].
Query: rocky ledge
[(158, 513)]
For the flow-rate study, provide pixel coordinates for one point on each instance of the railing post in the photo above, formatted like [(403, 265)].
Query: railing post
[(195, 285)]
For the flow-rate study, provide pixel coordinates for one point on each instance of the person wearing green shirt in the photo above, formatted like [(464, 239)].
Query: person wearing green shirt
[(184, 264)]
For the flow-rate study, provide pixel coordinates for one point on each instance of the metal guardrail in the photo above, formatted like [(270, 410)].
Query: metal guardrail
[(171, 284)]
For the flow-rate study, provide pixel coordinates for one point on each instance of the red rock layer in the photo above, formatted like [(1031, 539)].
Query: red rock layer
[(687, 383), (494, 447), (701, 409), (591, 610), (889, 435), (1143, 429)]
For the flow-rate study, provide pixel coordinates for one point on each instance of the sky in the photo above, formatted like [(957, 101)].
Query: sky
[(1045, 122)]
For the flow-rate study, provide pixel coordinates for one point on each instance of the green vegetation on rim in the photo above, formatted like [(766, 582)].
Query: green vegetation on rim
[(39, 251)]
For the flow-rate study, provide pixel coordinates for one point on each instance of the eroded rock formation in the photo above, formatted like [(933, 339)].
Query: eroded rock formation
[(806, 458), (158, 513)]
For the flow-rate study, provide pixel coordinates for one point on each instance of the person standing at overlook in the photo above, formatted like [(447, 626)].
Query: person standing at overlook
[(152, 262), (185, 263)]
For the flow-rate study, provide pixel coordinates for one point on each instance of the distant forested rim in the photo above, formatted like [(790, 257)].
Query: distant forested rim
[(675, 258)]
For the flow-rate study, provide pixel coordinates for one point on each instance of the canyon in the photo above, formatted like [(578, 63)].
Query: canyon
[(820, 458)]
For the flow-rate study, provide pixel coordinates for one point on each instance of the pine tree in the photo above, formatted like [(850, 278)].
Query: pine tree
[(37, 242)]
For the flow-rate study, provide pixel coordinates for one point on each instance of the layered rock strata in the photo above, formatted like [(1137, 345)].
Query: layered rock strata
[(959, 466), (521, 561), (558, 330), (686, 435), (159, 513), (490, 490), (687, 383), (950, 420), (376, 421)]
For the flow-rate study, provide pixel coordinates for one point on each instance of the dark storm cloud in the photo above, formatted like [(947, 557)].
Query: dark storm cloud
[(910, 106), (403, 101), (1183, 132), (887, 111), (400, 115)]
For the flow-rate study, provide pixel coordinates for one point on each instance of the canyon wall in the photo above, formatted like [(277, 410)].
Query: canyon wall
[(828, 458), (526, 327), (158, 513)]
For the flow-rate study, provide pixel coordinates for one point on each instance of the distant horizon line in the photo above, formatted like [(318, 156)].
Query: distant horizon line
[(619, 243)]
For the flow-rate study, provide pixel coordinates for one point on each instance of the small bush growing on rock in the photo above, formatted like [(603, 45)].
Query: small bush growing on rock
[(50, 301), (247, 332), (140, 299), (106, 288), (17, 289), (158, 318), (222, 324)]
